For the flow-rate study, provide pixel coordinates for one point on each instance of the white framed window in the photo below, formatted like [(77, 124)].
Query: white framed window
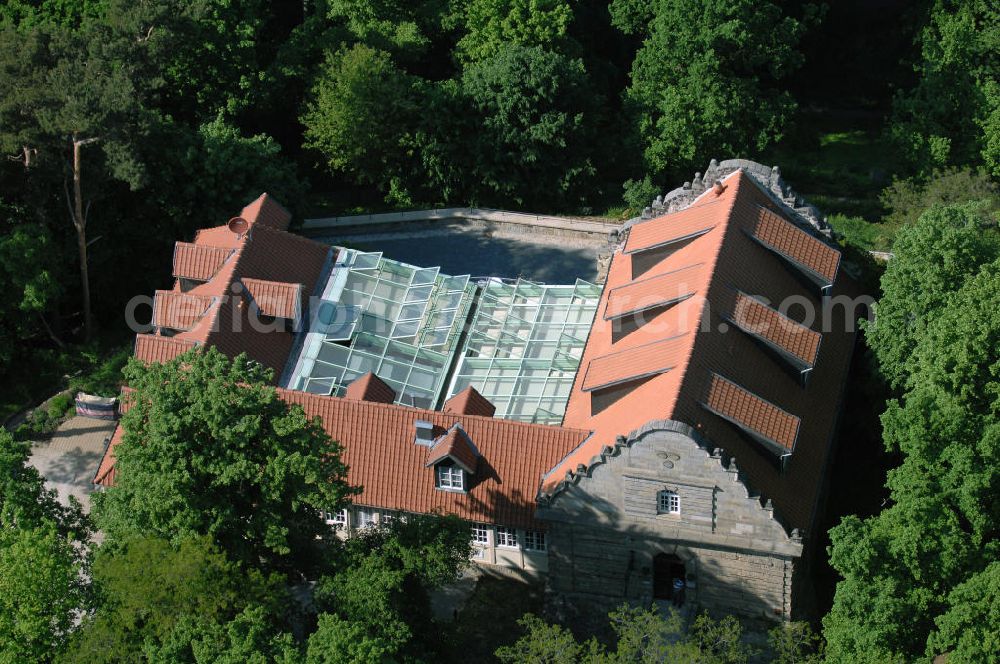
[(534, 540), (386, 517), (338, 518), (450, 476), (366, 518), (668, 502), (481, 534), (506, 537)]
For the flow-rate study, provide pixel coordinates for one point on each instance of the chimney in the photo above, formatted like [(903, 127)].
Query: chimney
[(424, 433), (718, 187)]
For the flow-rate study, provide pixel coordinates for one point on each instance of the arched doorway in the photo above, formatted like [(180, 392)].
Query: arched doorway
[(666, 568)]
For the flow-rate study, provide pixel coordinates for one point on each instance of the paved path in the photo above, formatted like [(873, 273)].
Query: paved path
[(69, 460)]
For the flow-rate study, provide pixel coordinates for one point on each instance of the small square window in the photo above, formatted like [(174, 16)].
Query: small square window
[(534, 540), (450, 476), (668, 502), (506, 537), (481, 534)]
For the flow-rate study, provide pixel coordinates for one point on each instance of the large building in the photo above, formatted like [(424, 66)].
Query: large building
[(673, 424)]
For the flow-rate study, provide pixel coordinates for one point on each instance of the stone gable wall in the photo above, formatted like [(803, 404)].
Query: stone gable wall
[(605, 530)]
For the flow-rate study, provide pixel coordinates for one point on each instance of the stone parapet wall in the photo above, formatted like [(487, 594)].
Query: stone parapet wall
[(501, 220)]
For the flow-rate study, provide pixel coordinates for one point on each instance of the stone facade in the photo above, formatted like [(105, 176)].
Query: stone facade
[(606, 529)]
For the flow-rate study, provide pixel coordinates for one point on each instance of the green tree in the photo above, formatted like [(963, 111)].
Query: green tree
[(210, 449), (378, 598), (41, 561), (901, 567), (405, 29), (906, 199), (643, 636), (933, 257), (706, 80), (29, 280), (493, 26), (950, 116), (178, 602), (795, 643), (968, 630), (41, 590), (535, 112), (361, 117), (218, 170)]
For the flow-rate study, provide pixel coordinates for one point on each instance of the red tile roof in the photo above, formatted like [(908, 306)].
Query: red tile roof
[(154, 348), (370, 388), (469, 402), (454, 445), (652, 292), (279, 269), (105, 475), (751, 413), (275, 298), (198, 262), (379, 449), (774, 328), (732, 260), (178, 311), (671, 228), (794, 244), (266, 211), (634, 363)]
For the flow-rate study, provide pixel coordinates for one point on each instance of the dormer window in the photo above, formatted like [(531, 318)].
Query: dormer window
[(454, 458), (450, 476)]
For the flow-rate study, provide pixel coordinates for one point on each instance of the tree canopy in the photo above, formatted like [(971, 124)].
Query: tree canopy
[(910, 571), (705, 80), (210, 449), (952, 115)]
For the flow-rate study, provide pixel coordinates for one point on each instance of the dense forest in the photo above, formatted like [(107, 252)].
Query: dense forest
[(127, 124)]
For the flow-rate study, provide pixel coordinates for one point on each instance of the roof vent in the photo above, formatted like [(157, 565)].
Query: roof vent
[(424, 433), (238, 226), (718, 187)]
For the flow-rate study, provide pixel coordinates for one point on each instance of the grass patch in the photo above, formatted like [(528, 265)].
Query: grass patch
[(839, 162), (489, 618), (863, 234)]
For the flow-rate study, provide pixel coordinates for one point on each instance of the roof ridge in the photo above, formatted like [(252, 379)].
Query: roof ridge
[(738, 177), (402, 407)]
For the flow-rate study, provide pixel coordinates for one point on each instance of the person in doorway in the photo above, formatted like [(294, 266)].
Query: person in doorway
[(678, 592)]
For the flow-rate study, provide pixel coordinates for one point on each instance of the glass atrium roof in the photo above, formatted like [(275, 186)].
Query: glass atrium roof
[(408, 325), (400, 321), (524, 347)]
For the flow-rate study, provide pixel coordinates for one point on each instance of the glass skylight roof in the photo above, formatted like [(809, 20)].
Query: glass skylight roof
[(524, 347), (400, 321)]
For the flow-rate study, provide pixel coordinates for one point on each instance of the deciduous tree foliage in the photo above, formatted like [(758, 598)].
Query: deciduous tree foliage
[(952, 115), (377, 604), (933, 257), (900, 597), (41, 562), (495, 25), (362, 112), (176, 602), (705, 80), (209, 449), (535, 111), (645, 636)]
